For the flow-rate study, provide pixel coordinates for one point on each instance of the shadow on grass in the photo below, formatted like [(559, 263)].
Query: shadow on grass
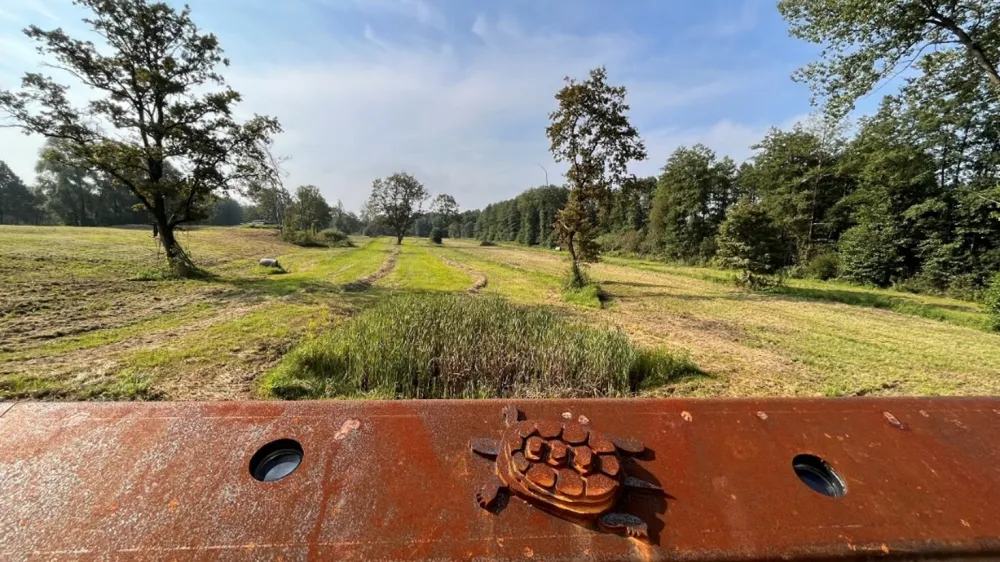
[(901, 305)]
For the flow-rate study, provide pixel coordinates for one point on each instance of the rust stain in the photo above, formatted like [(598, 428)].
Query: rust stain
[(167, 481)]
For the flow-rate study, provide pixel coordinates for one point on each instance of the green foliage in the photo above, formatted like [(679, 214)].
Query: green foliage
[(991, 302), (692, 197), (152, 107), (868, 42), (309, 210), (824, 266), (798, 179), (868, 254), (576, 277), (590, 130), (304, 238), (447, 346), (527, 219), (334, 238), (395, 201), (750, 242), (436, 235), (17, 203), (227, 212)]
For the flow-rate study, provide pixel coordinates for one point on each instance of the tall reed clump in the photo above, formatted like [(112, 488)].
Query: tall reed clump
[(455, 346)]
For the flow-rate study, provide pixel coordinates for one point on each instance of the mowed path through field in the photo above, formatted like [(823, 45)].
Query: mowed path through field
[(84, 314)]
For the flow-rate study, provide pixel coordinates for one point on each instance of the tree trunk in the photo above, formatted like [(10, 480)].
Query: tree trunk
[(572, 250), (399, 238), (178, 260)]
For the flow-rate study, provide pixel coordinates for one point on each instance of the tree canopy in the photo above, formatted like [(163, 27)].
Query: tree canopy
[(396, 201), (867, 42), (591, 132)]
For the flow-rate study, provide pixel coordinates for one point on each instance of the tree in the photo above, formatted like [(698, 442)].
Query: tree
[(396, 201), (153, 108), (749, 240), (867, 42), (796, 176), (227, 212), (692, 197), (310, 211), (17, 202), (590, 131), (446, 208)]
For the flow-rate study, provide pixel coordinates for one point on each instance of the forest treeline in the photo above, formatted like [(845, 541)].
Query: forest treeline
[(909, 197)]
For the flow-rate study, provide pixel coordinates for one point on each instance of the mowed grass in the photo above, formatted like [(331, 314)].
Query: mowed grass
[(419, 269), (85, 313), (91, 325)]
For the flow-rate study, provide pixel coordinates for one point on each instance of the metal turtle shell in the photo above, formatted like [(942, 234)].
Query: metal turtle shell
[(563, 465)]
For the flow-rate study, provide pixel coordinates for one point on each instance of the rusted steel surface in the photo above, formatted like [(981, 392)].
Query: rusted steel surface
[(396, 481)]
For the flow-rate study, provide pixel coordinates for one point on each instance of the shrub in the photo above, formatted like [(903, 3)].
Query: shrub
[(436, 235), (576, 278), (302, 238), (631, 242), (748, 240), (450, 346), (335, 238), (991, 302), (824, 266)]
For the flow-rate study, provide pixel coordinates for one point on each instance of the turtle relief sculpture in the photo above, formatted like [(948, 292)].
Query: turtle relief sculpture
[(565, 468)]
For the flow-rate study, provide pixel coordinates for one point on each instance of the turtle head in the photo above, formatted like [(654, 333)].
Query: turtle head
[(510, 415)]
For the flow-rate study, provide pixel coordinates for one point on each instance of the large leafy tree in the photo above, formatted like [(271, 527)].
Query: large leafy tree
[(867, 42), (155, 107), (396, 201), (310, 211), (797, 177), (591, 132), (692, 197)]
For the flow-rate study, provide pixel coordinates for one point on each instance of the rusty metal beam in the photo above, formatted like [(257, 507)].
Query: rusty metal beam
[(395, 481)]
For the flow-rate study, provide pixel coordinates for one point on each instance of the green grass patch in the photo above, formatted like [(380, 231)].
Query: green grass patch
[(98, 338), (420, 270), (589, 295), (455, 346)]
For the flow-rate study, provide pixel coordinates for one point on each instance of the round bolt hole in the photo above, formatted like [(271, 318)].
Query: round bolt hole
[(276, 460), (819, 475)]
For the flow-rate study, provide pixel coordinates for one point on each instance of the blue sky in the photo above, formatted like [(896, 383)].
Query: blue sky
[(458, 92)]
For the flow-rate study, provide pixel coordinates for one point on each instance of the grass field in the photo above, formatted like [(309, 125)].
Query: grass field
[(86, 313)]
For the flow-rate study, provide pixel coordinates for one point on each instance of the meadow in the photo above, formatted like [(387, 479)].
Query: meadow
[(87, 313)]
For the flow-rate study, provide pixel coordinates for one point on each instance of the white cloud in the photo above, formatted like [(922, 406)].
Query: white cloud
[(417, 10), (726, 138)]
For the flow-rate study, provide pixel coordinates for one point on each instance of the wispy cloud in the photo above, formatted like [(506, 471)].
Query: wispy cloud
[(456, 93)]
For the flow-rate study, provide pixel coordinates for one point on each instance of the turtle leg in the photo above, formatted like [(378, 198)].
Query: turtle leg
[(629, 446), (510, 415), (485, 447), (487, 496), (640, 485), (623, 522)]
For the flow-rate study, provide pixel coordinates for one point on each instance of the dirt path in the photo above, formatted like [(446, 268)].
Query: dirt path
[(364, 283)]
